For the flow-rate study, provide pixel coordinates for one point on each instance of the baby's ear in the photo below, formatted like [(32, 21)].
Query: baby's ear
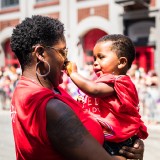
[(122, 62)]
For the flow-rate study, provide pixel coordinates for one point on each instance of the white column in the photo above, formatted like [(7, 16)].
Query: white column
[(26, 8), (64, 13), (75, 55), (158, 3), (116, 20), (2, 56), (157, 38), (68, 16)]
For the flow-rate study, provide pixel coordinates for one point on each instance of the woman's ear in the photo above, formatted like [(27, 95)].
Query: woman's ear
[(122, 62), (39, 50)]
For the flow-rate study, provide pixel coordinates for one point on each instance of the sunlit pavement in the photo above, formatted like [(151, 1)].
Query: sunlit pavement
[(152, 144), (6, 139), (152, 147)]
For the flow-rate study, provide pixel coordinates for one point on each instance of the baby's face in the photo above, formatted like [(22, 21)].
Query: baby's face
[(105, 60)]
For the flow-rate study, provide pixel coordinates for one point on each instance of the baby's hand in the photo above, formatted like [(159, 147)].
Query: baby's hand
[(80, 99), (70, 67)]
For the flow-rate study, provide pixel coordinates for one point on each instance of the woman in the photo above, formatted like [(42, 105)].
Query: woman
[(47, 123)]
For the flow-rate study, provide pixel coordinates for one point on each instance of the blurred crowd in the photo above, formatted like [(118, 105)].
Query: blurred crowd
[(148, 87), (9, 77), (147, 84)]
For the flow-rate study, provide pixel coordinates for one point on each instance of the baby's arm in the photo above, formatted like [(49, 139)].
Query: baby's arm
[(89, 87)]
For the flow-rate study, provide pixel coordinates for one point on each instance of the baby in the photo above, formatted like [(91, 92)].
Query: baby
[(112, 98)]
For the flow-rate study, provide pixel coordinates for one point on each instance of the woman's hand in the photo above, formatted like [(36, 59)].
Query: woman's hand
[(135, 152)]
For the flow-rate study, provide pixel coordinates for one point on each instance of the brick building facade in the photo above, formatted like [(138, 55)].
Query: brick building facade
[(86, 21)]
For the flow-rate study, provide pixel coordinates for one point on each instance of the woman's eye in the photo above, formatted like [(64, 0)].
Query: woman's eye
[(63, 54)]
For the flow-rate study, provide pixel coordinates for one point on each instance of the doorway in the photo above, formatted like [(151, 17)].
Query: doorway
[(145, 58)]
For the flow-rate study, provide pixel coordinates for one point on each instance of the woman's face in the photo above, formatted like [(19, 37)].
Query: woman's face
[(56, 57)]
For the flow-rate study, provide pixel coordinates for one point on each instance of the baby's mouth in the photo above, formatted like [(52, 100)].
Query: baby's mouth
[(98, 72)]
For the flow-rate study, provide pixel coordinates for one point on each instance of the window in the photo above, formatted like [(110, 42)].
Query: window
[(8, 3)]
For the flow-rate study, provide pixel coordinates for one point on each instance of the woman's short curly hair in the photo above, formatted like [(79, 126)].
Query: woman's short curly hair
[(35, 30), (122, 45)]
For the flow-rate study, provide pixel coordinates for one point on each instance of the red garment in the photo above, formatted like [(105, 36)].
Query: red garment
[(28, 112), (119, 113)]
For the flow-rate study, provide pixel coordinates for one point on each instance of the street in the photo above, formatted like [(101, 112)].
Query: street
[(152, 146)]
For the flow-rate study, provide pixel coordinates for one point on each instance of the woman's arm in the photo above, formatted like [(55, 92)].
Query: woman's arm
[(71, 139), (68, 135)]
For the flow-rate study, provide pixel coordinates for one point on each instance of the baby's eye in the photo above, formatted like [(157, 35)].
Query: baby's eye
[(100, 56)]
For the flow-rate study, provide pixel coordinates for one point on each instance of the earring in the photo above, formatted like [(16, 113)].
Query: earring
[(43, 75)]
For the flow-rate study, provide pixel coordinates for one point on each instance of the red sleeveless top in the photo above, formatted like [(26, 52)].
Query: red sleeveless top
[(28, 113)]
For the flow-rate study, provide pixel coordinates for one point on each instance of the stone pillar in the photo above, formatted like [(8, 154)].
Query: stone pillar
[(26, 8), (157, 50)]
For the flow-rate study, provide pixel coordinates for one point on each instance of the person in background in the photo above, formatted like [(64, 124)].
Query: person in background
[(48, 123), (112, 98), (152, 97)]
